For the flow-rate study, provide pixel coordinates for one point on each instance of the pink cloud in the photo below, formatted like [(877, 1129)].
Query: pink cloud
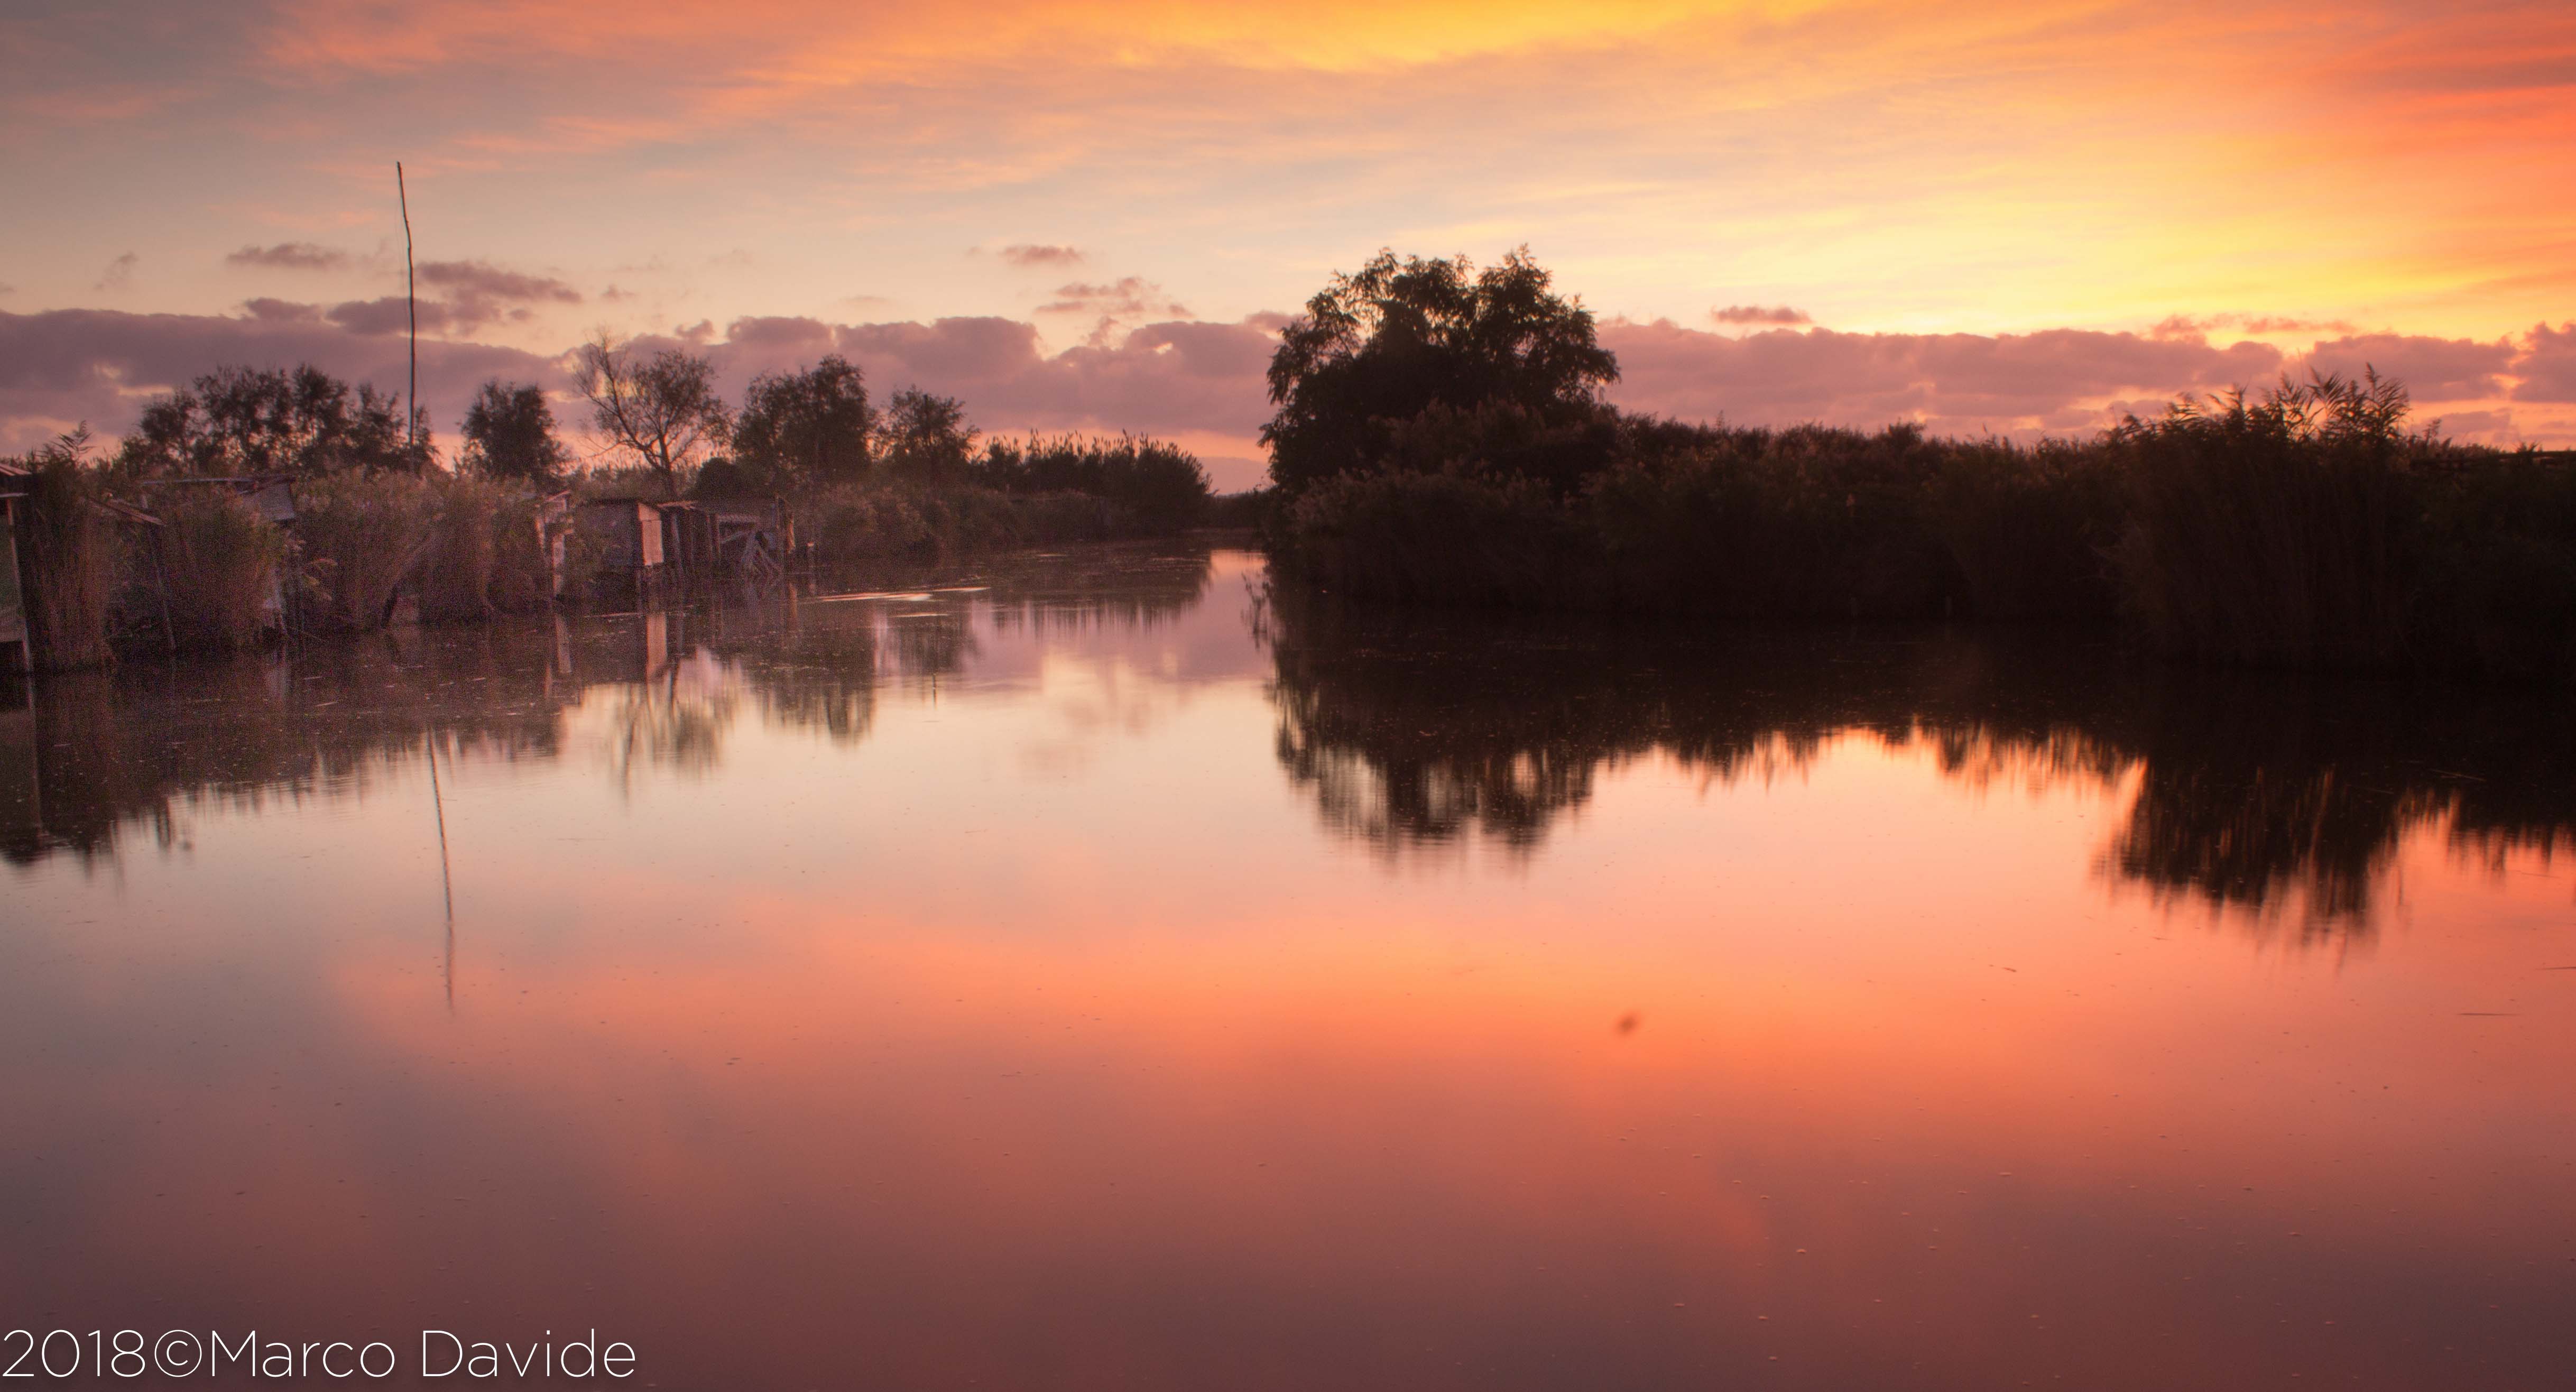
[(1205, 380), (1034, 254), (1126, 298), (1760, 314), (66, 366), (2433, 369), (2548, 365), (2047, 380), (289, 256)]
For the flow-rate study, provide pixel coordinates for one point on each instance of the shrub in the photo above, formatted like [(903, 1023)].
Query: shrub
[(1439, 538), (884, 521), (1154, 486)]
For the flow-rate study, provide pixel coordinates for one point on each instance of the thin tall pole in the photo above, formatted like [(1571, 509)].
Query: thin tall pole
[(411, 310)]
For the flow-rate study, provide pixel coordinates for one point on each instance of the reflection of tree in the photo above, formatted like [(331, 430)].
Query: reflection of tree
[(96, 755), (146, 743), (2251, 792), (1110, 586)]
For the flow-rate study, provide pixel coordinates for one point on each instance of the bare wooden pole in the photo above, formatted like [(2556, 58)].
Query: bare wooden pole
[(411, 311)]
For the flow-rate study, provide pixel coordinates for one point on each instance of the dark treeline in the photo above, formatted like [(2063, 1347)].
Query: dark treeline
[(133, 542), (1441, 438), (2253, 791), (106, 755)]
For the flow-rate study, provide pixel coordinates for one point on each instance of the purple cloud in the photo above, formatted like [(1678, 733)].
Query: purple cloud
[(289, 256), (1760, 314), (2548, 365), (1035, 254), (2433, 369), (1126, 298)]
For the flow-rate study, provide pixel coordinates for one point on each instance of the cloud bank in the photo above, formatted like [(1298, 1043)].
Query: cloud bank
[(1204, 380)]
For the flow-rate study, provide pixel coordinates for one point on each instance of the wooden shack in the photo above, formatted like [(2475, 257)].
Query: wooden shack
[(626, 535)]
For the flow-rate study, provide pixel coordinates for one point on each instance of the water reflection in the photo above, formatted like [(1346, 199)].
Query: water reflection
[(939, 985), (2285, 798), (87, 757)]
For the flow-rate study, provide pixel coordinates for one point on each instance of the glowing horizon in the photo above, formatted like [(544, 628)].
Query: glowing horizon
[(2387, 183)]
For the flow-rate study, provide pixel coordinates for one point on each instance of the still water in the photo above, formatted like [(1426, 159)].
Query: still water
[(1092, 971)]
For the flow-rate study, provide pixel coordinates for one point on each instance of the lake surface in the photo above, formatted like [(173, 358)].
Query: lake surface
[(1091, 971)]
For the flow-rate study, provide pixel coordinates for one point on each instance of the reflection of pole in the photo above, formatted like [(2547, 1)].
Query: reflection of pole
[(438, 804)]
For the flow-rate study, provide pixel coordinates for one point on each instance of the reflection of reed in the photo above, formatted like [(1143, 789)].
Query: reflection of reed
[(141, 745), (95, 755), (2250, 793)]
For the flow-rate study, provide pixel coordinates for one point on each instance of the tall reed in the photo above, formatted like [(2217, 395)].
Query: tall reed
[(455, 578), (360, 534), (72, 550), (220, 567)]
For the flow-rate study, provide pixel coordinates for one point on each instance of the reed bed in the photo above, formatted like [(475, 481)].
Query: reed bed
[(220, 565), (360, 535), (72, 554), (2305, 528)]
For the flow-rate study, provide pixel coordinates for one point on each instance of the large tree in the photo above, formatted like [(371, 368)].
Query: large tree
[(805, 429), (1397, 337), (239, 420), (510, 434), (662, 411), (925, 438)]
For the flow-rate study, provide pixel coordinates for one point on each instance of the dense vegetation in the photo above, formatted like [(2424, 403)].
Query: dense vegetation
[(2305, 526), (144, 541)]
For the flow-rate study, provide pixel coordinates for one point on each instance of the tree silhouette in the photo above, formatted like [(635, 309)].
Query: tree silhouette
[(239, 420), (662, 410), (808, 428), (510, 434), (1398, 337), (925, 438)]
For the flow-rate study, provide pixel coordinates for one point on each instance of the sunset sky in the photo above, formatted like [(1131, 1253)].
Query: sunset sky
[(1091, 216)]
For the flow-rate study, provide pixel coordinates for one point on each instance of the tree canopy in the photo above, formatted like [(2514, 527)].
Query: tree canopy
[(925, 438), (240, 420), (805, 429), (1397, 337), (510, 434), (663, 410)]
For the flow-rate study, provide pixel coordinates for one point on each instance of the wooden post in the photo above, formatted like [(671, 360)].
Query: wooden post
[(411, 310)]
